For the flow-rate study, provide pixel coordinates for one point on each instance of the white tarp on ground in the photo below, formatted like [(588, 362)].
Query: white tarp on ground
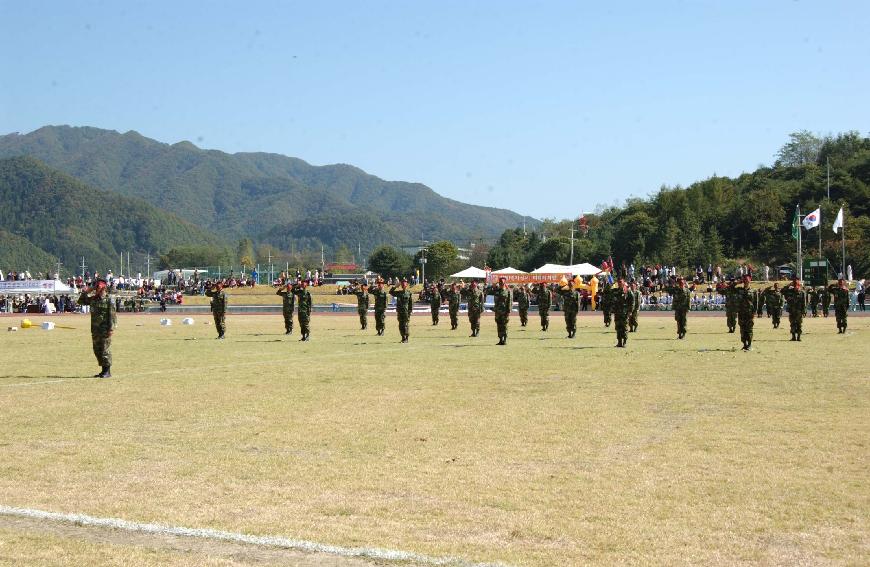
[(507, 270), (20, 287), (472, 272), (584, 269)]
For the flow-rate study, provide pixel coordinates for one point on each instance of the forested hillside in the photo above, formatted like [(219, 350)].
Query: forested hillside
[(46, 214), (721, 219), (266, 197)]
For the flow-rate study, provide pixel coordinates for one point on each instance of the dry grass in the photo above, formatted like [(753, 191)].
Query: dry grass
[(545, 452)]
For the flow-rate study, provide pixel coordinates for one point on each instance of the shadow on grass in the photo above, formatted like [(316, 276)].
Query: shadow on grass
[(52, 377)]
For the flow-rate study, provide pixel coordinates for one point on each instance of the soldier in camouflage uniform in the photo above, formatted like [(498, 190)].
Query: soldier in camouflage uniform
[(362, 305), (635, 307), (813, 299), (680, 304), (454, 298), (503, 303), (747, 305), (729, 291), (381, 299), (218, 308), (434, 300), (621, 303), (545, 300), (825, 297), (570, 307), (404, 308), (773, 303), (303, 311), (288, 303), (522, 296), (605, 303), (796, 299), (104, 320), (840, 293), (474, 296)]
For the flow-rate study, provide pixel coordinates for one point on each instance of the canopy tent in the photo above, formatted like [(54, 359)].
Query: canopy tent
[(506, 271), (20, 287), (584, 269), (472, 273)]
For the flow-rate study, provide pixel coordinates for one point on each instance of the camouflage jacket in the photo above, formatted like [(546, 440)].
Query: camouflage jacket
[(381, 297), (796, 298), (680, 297), (840, 295), (474, 297), (635, 300), (303, 299), (522, 296), (287, 297), (104, 316), (362, 300), (621, 301), (503, 299), (570, 299), (453, 299), (747, 301), (218, 300), (773, 298), (545, 298), (404, 300)]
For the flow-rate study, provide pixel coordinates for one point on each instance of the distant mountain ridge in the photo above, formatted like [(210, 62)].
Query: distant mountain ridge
[(268, 197), (47, 214)]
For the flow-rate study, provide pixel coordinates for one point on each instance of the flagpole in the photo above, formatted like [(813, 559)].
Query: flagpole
[(843, 230), (800, 266)]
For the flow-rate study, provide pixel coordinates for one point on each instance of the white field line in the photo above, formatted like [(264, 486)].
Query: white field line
[(235, 537), (206, 368)]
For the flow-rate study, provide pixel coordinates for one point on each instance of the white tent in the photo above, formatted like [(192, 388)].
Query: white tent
[(472, 273), (584, 269), (507, 271), (19, 287)]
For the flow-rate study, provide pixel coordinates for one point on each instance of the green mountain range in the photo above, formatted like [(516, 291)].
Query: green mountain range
[(47, 214), (267, 197)]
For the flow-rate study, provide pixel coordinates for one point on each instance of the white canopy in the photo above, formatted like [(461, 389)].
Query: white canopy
[(584, 269), (472, 272), (13, 287), (507, 270)]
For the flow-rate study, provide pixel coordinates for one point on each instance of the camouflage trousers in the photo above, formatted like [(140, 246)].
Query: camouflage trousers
[(606, 316), (524, 316), (454, 316), (304, 321), (570, 321), (795, 321), (632, 321), (731, 318), (620, 321), (826, 306), (545, 318), (747, 323), (288, 320), (775, 316), (102, 349), (220, 322), (380, 315), (363, 318), (404, 324), (434, 311), (501, 322), (842, 314), (474, 319), (681, 317)]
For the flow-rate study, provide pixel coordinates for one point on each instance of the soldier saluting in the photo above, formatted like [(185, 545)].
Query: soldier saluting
[(796, 299), (773, 301), (680, 305), (545, 300), (381, 297), (104, 320), (453, 300), (747, 305), (288, 301), (840, 293), (621, 302), (218, 307), (404, 308), (474, 297), (362, 305), (303, 301), (502, 308)]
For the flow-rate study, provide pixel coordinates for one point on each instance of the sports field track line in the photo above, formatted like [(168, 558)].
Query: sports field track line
[(204, 368), (236, 537)]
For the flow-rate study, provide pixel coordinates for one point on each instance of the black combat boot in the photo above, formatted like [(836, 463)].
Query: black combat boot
[(107, 372)]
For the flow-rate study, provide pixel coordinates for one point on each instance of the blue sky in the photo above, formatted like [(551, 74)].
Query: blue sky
[(546, 108)]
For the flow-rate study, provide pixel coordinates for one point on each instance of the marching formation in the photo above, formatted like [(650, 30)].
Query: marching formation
[(620, 303)]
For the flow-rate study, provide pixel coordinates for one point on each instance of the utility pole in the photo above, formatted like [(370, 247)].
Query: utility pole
[(83, 266), (271, 269), (59, 264), (129, 268), (571, 262), (148, 265), (423, 266)]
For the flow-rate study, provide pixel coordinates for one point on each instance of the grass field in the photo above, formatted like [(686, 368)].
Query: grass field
[(548, 451)]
